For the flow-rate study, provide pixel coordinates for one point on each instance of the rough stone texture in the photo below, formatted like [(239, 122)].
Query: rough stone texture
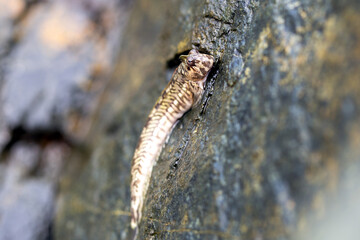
[(269, 152)]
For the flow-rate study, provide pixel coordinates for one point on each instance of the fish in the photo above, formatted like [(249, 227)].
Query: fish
[(183, 92)]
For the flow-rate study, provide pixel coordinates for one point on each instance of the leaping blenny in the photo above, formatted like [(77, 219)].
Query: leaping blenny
[(184, 90)]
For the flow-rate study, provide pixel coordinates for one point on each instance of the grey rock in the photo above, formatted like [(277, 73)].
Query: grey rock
[(28, 214), (26, 207), (56, 71)]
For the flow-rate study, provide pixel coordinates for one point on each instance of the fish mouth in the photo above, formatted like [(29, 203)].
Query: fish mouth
[(183, 57)]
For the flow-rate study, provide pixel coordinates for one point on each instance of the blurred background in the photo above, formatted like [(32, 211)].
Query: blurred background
[(55, 59), (272, 151)]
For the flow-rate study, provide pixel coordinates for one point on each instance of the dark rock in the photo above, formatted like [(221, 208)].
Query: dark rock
[(266, 155)]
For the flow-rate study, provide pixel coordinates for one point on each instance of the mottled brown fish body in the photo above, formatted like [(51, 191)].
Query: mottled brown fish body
[(183, 91)]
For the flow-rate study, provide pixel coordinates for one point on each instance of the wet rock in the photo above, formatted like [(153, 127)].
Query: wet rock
[(267, 153)]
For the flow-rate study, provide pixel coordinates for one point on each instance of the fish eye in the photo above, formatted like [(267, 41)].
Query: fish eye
[(191, 62)]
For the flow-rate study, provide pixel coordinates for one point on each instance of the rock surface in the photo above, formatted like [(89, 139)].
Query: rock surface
[(270, 153)]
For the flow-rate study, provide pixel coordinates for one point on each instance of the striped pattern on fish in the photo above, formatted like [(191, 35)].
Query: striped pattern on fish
[(183, 92)]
